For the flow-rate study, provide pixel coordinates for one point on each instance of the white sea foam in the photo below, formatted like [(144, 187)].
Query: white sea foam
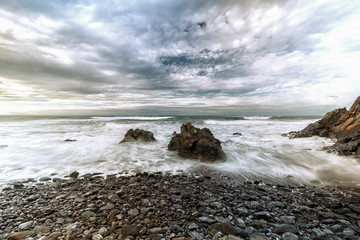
[(131, 118), (257, 118), (36, 148)]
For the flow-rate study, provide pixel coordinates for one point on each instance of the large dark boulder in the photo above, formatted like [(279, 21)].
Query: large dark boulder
[(138, 135), (339, 124), (197, 143)]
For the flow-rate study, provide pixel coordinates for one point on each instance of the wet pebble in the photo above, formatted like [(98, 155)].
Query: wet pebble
[(180, 207)]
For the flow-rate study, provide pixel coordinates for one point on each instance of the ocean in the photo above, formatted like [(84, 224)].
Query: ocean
[(35, 146)]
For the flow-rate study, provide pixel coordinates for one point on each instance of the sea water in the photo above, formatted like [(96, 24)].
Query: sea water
[(35, 146)]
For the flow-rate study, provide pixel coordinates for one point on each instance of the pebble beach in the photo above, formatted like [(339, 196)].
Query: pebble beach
[(182, 206)]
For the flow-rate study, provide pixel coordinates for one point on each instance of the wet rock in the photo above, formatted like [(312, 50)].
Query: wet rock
[(97, 237), (133, 212), (54, 235), (88, 214), (182, 206), (262, 215), (206, 220), (283, 228), (108, 206), (195, 143), (20, 235), (44, 179), (42, 229), (258, 237), (26, 225), (225, 228), (130, 230), (138, 135), (102, 231), (74, 174), (288, 219), (318, 233), (232, 237), (289, 236), (339, 124)]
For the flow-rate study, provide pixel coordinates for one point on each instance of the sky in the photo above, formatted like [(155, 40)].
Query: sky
[(179, 57)]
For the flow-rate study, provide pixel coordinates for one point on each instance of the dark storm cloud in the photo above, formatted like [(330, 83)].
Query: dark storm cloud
[(229, 52)]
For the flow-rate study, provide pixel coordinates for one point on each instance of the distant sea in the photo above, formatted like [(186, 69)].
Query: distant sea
[(34, 147)]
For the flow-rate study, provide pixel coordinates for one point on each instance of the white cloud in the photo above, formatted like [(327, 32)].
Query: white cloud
[(142, 53)]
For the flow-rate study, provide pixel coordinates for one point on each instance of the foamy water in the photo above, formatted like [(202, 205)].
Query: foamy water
[(35, 147)]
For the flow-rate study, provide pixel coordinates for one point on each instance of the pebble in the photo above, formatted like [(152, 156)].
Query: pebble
[(74, 174), (97, 237), (133, 212), (289, 236), (283, 228), (102, 231), (44, 179), (26, 225), (181, 207)]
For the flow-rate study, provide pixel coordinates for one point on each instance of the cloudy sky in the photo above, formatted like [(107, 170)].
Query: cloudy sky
[(178, 56)]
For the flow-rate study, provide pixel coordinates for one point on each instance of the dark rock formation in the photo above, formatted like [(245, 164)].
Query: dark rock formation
[(197, 143), (138, 135), (237, 134), (74, 174), (339, 124)]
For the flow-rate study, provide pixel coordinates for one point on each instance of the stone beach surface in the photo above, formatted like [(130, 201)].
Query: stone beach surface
[(181, 206)]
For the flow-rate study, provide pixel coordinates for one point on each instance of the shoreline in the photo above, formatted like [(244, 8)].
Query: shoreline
[(182, 206)]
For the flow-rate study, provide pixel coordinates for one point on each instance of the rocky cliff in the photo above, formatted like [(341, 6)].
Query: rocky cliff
[(340, 124)]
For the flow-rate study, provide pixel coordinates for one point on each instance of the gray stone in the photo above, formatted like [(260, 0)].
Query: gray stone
[(195, 235), (318, 233), (26, 225), (232, 237), (337, 228), (130, 230), (74, 174), (156, 230), (73, 226), (225, 228), (262, 215), (97, 237), (288, 219), (258, 236), (241, 222), (87, 214), (42, 229), (241, 211), (44, 179), (114, 198), (206, 220), (133, 212), (289, 236), (102, 231), (283, 228), (272, 205), (108, 206), (348, 232), (33, 197), (193, 226)]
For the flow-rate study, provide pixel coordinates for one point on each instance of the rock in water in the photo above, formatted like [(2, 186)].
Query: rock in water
[(74, 174), (138, 135), (340, 124), (197, 143)]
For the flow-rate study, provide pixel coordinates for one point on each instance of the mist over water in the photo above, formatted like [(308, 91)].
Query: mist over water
[(33, 147)]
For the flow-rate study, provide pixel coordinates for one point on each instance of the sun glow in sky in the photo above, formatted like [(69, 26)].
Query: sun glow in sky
[(178, 57)]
